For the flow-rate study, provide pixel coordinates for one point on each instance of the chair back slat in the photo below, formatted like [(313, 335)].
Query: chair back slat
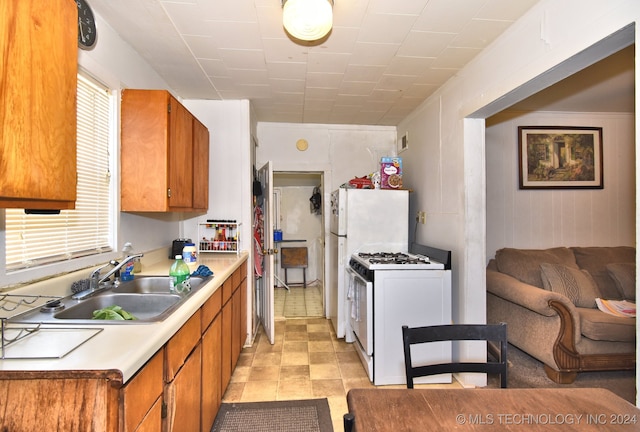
[(456, 332)]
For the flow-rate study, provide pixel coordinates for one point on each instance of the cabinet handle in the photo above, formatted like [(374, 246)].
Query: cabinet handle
[(169, 192)]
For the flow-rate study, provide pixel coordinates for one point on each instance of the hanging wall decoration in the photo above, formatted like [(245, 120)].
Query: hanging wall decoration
[(560, 157)]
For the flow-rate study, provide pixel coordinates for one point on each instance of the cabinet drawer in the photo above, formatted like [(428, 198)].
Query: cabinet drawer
[(236, 278), (243, 271), (227, 290), (180, 345), (211, 308), (140, 394)]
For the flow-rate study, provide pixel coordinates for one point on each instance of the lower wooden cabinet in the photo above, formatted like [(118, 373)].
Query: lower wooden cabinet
[(182, 395), (211, 360), (179, 389), (153, 420), (59, 401), (183, 362), (227, 324), (142, 397)]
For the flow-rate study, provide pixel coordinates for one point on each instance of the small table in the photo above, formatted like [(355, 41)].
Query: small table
[(547, 409), (285, 272)]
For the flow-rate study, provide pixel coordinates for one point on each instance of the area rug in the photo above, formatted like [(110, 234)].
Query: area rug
[(311, 415), (526, 372)]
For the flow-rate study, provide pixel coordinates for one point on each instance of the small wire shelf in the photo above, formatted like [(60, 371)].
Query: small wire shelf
[(13, 305)]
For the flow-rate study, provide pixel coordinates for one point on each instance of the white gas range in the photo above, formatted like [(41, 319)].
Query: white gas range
[(387, 290)]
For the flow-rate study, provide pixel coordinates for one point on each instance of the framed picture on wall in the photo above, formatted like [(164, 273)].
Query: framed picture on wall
[(560, 157)]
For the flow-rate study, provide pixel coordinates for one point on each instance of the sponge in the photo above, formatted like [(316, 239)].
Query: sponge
[(80, 285)]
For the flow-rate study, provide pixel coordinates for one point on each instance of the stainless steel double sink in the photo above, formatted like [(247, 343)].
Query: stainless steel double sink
[(148, 298)]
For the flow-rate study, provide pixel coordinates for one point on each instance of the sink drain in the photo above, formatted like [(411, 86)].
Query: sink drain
[(52, 306)]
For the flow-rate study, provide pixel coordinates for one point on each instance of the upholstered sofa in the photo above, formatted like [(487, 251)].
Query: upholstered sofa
[(547, 298)]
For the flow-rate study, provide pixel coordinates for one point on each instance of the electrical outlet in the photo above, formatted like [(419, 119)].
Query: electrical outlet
[(423, 217)]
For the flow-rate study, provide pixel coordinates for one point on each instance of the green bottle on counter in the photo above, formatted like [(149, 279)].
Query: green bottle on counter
[(179, 275)]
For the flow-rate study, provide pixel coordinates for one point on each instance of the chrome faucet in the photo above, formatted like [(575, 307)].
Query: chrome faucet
[(116, 267), (97, 283)]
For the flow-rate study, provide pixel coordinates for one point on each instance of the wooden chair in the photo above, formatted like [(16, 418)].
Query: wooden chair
[(457, 332), (294, 257)]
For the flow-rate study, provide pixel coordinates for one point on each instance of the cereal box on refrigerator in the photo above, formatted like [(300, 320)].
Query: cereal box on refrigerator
[(391, 173)]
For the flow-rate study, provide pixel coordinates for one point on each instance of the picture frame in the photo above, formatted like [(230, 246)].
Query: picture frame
[(560, 157), (403, 143)]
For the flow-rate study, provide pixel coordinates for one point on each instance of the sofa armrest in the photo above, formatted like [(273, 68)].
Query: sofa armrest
[(540, 301), (529, 296)]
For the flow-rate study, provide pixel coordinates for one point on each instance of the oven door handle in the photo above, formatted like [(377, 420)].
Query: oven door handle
[(354, 293), (351, 289), (357, 275)]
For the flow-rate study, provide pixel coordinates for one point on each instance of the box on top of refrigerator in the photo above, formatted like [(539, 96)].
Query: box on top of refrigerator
[(391, 173)]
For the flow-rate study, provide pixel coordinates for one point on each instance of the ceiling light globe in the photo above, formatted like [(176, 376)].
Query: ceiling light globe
[(307, 19)]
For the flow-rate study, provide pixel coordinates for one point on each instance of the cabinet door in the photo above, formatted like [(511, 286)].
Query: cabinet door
[(200, 166), (180, 156), (153, 421), (38, 41), (236, 327), (211, 373), (180, 345), (227, 312), (210, 309), (184, 396), (144, 150), (140, 395)]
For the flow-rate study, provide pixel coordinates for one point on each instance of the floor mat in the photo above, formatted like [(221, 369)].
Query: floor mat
[(311, 415)]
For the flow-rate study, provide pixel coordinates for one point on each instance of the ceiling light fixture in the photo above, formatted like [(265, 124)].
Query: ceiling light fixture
[(307, 20)]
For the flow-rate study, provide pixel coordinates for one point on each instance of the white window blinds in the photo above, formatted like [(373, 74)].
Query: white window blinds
[(33, 239)]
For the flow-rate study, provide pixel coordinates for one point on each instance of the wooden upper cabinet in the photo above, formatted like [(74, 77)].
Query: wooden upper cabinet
[(180, 156), (200, 166), (157, 155), (38, 66)]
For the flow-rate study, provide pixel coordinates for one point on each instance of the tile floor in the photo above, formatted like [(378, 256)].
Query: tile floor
[(298, 301), (307, 361)]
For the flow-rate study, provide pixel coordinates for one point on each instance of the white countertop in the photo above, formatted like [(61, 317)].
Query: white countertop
[(128, 347)]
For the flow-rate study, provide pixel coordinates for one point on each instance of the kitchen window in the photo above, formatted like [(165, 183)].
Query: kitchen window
[(33, 240)]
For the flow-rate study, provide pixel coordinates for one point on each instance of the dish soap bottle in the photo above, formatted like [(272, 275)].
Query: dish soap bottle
[(126, 272), (179, 275)]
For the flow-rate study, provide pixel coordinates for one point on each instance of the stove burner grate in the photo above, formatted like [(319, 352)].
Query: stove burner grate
[(391, 258)]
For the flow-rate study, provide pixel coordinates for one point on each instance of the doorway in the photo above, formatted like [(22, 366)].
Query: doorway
[(299, 218)]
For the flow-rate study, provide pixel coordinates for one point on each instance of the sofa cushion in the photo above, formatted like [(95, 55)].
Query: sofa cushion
[(575, 284), (524, 264), (597, 325), (595, 260), (624, 276)]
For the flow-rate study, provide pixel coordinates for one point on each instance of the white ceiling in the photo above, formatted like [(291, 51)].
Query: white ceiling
[(381, 60)]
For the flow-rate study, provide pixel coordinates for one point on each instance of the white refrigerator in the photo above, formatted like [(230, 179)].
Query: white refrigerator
[(362, 220)]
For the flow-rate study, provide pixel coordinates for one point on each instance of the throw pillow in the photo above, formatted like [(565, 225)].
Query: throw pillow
[(575, 284), (624, 275)]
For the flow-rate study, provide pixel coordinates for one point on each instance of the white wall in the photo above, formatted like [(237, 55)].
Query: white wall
[(115, 63), (446, 162), (344, 151), (547, 218), (229, 166), (339, 152)]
